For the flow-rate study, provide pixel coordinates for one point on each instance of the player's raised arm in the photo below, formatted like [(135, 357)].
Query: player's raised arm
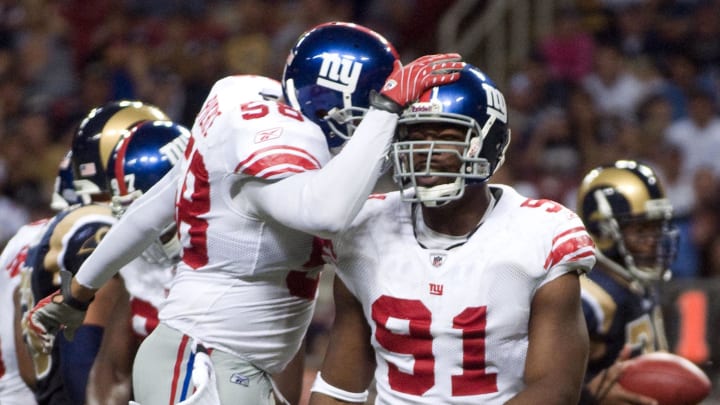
[(342, 186)]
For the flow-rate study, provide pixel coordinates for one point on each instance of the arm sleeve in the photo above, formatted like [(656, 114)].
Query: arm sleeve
[(139, 226), (77, 357), (324, 202)]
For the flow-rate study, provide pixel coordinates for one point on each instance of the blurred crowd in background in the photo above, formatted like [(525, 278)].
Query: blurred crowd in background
[(612, 79), (61, 58)]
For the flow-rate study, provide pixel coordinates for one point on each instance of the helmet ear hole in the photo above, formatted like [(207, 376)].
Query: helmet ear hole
[(320, 114)]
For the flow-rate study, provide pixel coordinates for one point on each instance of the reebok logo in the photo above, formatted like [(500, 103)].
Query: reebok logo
[(237, 378)]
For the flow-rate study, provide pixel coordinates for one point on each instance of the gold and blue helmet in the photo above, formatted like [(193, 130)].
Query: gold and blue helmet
[(96, 138), (626, 211)]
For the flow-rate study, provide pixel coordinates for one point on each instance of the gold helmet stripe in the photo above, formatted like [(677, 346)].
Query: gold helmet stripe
[(120, 122)]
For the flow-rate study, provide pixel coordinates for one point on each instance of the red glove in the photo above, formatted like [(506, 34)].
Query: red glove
[(406, 83)]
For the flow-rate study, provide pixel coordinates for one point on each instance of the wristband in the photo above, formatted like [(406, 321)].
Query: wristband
[(381, 102), (321, 386), (72, 302), (68, 299)]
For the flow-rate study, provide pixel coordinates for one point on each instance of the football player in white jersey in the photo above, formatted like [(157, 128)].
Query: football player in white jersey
[(13, 389), (453, 290), (140, 159), (256, 184), (628, 215), (61, 369), (14, 386)]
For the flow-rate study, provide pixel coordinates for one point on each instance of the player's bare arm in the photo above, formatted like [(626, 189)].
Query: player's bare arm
[(349, 361), (605, 389), (109, 380), (558, 345), (290, 381)]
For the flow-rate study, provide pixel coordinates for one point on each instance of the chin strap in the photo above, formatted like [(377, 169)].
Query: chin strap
[(616, 268), (440, 195)]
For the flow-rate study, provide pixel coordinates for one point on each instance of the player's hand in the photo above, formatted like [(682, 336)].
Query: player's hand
[(607, 391), (204, 380), (407, 83), (58, 311)]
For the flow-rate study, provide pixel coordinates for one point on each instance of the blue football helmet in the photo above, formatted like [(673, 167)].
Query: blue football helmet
[(64, 194), (622, 202), (95, 139), (141, 158), (472, 102), (330, 73)]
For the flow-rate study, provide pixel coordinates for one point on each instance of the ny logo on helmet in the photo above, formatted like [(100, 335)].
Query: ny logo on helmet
[(338, 73), (175, 149), (496, 106)]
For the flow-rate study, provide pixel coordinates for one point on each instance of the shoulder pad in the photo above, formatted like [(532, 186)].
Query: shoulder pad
[(68, 240)]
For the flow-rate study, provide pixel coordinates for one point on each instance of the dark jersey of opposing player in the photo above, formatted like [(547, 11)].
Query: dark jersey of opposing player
[(617, 315), (67, 241)]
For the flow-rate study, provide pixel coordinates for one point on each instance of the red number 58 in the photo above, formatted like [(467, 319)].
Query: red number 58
[(256, 109)]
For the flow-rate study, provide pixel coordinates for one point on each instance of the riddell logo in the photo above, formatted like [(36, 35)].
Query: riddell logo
[(431, 107)]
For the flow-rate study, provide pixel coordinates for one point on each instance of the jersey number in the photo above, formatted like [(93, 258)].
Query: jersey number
[(255, 109), (550, 206), (417, 340), (13, 269), (193, 201)]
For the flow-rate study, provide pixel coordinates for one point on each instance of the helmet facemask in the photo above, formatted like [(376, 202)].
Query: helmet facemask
[(166, 249), (120, 203), (413, 158), (343, 122)]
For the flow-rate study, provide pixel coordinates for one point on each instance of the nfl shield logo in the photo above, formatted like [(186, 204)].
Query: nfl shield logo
[(437, 260)]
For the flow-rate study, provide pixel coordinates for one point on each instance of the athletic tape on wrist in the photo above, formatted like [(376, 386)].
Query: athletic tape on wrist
[(321, 386)]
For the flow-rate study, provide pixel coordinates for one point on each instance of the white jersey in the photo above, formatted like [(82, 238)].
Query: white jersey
[(13, 390), (451, 326), (148, 284), (246, 199), (245, 285)]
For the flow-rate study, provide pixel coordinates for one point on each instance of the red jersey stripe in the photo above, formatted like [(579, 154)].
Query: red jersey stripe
[(568, 232), (282, 157), (568, 247)]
